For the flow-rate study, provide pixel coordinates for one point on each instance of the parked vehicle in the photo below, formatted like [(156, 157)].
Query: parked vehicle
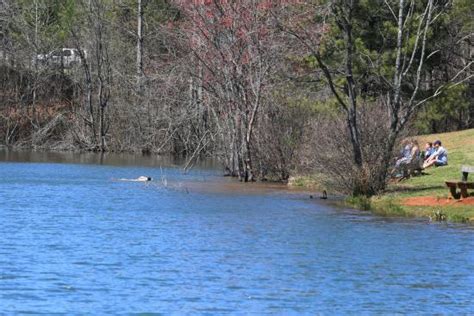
[(64, 57)]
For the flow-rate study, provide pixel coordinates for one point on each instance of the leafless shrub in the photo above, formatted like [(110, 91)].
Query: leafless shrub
[(278, 137), (327, 151)]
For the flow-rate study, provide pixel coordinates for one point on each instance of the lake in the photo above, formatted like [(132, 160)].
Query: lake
[(76, 241)]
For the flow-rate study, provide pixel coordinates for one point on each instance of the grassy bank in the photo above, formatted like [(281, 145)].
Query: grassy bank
[(393, 202), (460, 146)]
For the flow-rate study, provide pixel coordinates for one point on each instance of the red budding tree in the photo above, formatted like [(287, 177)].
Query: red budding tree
[(234, 45)]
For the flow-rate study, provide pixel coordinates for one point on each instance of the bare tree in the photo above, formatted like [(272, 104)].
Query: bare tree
[(233, 45), (400, 94), (139, 48)]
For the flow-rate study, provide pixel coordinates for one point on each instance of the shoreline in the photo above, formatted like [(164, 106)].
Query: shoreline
[(391, 204), (426, 196), (418, 197)]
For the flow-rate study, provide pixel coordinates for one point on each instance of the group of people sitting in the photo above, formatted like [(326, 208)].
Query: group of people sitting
[(434, 154)]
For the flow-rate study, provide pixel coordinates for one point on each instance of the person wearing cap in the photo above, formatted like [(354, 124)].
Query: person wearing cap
[(438, 158)]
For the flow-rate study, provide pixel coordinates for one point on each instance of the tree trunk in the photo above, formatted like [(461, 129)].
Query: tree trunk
[(351, 89), (103, 145), (139, 62), (140, 84)]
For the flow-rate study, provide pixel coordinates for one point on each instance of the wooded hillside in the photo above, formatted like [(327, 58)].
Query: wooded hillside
[(271, 88)]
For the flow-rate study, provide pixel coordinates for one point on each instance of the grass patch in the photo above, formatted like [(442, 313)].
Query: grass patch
[(390, 207), (313, 182), (457, 218), (460, 146), (359, 202)]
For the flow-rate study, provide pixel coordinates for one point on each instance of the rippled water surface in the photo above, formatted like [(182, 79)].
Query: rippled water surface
[(73, 240)]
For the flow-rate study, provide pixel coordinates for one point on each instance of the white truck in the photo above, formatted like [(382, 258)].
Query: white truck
[(64, 57)]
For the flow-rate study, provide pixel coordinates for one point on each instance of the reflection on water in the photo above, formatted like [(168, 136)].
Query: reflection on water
[(73, 241), (122, 159)]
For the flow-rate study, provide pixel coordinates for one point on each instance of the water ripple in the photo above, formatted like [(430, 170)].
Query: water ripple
[(73, 241)]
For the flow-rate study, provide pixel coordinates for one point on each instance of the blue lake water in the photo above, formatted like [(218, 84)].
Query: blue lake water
[(74, 241)]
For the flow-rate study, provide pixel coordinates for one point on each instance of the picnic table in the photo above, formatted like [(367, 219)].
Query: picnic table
[(463, 185)]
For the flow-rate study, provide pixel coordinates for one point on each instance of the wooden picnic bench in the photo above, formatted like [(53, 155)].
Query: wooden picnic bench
[(463, 185)]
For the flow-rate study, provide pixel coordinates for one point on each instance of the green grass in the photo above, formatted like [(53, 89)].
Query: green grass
[(460, 146), (312, 182)]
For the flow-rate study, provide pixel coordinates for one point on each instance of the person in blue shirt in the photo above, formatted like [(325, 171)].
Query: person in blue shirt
[(438, 158), (429, 150)]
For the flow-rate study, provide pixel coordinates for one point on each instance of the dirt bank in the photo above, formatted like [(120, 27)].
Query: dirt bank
[(436, 201)]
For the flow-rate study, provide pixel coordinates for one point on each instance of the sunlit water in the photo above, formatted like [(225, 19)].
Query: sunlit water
[(75, 241)]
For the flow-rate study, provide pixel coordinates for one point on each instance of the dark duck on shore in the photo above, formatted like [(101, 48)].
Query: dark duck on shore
[(324, 196)]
